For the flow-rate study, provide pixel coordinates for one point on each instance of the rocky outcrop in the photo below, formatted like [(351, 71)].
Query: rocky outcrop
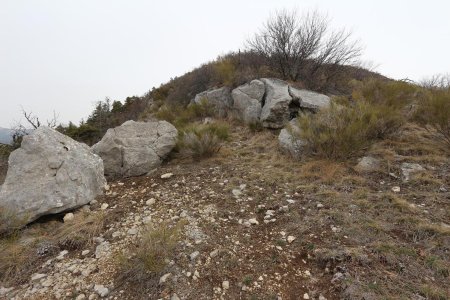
[(309, 100), (219, 98), (50, 173), (247, 101), (275, 112), (268, 100), (289, 139), (135, 148)]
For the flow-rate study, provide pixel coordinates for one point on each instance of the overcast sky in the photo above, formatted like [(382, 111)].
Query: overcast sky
[(64, 55)]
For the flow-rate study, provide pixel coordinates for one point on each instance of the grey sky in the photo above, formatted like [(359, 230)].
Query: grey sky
[(64, 55)]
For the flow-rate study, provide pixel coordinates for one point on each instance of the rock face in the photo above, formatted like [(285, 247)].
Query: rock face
[(135, 148), (275, 112), (50, 173), (247, 100), (219, 98), (289, 141), (309, 100)]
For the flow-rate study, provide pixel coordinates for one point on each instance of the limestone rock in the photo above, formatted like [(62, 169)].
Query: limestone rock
[(309, 100), (219, 98), (247, 100), (367, 164), (289, 140), (50, 173), (275, 112), (136, 148)]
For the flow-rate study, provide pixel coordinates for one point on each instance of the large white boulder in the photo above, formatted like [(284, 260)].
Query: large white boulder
[(247, 101), (275, 112), (136, 148), (219, 98), (309, 100), (50, 173)]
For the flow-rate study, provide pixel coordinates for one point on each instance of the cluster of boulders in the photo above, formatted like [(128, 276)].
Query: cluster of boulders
[(273, 103), (51, 173)]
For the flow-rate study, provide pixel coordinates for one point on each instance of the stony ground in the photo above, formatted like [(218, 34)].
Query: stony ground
[(258, 225)]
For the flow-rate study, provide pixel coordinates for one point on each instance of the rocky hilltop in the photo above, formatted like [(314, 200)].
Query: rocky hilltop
[(264, 191)]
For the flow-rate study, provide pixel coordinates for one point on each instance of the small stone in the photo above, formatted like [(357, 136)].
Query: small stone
[(85, 252), (47, 283), (174, 297), (396, 189), (164, 278), (107, 187), (305, 296), (226, 285), (253, 221), (319, 205), (68, 217), (290, 239), (284, 208), (214, 253), (132, 231), (62, 254), (236, 192), (166, 176), (80, 297), (37, 276), (150, 201), (104, 206), (290, 201), (147, 219), (194, 255), (321, 297), (101, 290)]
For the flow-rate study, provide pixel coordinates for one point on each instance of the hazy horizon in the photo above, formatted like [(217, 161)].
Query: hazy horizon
[(63, 56)]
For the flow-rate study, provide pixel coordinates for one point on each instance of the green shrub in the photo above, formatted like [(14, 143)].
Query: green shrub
[(393, 94), (203, 140), (225, 71), (180, 117), (434, 111), (341, 132)]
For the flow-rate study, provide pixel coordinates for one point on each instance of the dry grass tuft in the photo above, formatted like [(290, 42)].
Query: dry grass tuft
[(147, 262), (205, 140)]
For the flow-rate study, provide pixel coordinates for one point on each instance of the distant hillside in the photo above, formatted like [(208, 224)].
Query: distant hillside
[(5, 136)]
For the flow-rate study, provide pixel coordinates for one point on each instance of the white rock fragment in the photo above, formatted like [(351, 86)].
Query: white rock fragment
[(101, 290), (396, 189), (253, 221), (166, 176), (150, 202), (226, 285), (104, 206), (68, 217), (290, 239), (164, 278), (305, 296), (37, 276)]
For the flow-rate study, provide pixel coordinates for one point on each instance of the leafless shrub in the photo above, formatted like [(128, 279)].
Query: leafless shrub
[(302, 47)]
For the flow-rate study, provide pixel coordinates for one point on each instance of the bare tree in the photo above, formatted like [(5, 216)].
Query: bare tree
[(438, 81), (300, 47), (19, 130)]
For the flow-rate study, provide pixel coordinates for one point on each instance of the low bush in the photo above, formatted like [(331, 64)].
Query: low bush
[(181, 116), (203, 140), (341, 132), (150, 257), (434, 112)]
